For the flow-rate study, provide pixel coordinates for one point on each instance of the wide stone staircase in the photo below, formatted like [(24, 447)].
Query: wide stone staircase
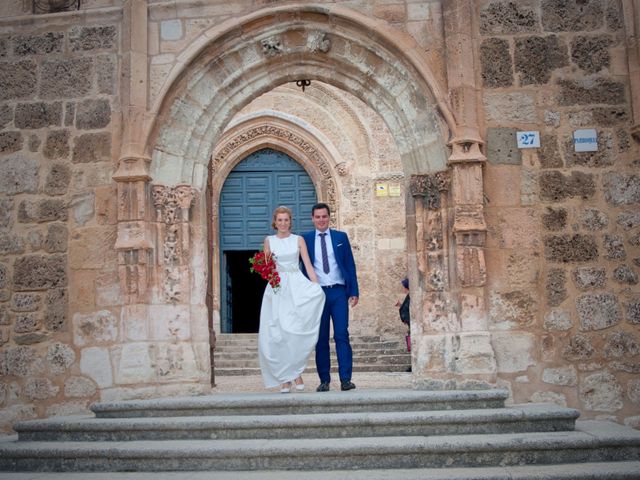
[(383, 433), (237, 354)]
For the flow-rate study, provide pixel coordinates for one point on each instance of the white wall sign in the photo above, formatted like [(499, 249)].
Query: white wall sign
[(528, 139), (585, 140)]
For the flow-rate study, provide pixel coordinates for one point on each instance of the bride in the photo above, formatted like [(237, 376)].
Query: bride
[(290, 314)]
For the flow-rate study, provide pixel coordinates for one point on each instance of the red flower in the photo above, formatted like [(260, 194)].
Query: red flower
[(266, 267)]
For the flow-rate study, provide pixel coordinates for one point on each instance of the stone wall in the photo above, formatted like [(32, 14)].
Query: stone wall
[(563, 253), (58, 285)]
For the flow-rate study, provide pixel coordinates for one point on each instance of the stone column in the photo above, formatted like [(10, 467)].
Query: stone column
[(133, 243), (171, 228)]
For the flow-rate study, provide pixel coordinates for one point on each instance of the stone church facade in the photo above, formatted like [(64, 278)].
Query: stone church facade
[(120, 121)]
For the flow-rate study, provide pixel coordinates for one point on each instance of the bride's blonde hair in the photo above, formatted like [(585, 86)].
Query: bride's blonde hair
[(279, 210)]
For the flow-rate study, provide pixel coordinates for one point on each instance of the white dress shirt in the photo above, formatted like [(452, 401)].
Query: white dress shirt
[(334, 276)]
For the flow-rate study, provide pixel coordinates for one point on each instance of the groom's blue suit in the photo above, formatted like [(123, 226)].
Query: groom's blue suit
[(336, 306)]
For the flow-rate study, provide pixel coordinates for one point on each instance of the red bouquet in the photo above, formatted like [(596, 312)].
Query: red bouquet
[(266, 267)]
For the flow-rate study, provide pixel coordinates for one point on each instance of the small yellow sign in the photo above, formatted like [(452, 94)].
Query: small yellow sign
[(394, 190), (382, 190)]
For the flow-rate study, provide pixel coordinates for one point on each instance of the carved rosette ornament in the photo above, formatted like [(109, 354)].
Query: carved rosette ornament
[(310, 152), (318, 41), (271, 46), (172, 205)]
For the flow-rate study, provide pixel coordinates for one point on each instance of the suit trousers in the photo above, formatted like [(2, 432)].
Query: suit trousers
[(336, 307)]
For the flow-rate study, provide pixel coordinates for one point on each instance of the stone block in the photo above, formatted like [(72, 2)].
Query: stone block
[(601, 392), (5, 318), (593, 219), (68, 78), (500, 17), (79, 387), (38, 115), (57, 144), (38, 272), (92, 114), (621, 188), (572, 15), (18, 174), (69, 114), (633, 391), (613, 15), (135, 321), (6, 115), (10, 142), (58, 179), (25, 302), (559, 320), (603, 157), (554, 186), (11, 244), (95, 363), (625, 275), (84, 39), (621, 344), (512, 309), (633, 312), (598, 311), (517, 228), (502, 147), (106, 71), (23, 361), (50, 42), (83, 207), (513, 351), (566, 376), (586, 278), (393, 13), (60, 357), (578, 348), (6, 212), (57, 237), (170, 322), (31, 338), (40, 389), (92, 147), (95, 328), (535, 58), (554, 219), (549, 397), (34, 143), (4, 275), (549, 153), (26, 323), (635, 240), (85, 242), (67, 409), (588, 91), (570, 248), (614, 247), (18, 80), (556, 287), (591, 53), (39, 211), (509, 108), (134, 363), (56, 311), (495, 58)]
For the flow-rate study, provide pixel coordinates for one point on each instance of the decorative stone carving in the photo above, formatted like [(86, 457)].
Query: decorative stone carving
[(318, 41), (271, 46), (287, 136), (172, 206), (342, 169), (431, 187)]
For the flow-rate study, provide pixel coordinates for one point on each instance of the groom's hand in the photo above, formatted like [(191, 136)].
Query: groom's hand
[(353, 301)]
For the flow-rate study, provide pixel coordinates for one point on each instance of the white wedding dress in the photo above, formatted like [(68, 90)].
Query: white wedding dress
[(289, 317)]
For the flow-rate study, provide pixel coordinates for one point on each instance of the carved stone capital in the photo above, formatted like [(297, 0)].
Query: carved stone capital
[(466, 150), (430, 187), (132, 169)]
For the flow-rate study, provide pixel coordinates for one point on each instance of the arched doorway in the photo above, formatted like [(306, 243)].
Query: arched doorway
[(262, 181)]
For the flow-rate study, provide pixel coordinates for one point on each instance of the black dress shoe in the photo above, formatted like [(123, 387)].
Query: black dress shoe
[(347, 385), (323, 387)]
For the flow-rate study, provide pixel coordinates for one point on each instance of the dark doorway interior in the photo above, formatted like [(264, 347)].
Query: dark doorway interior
[(246, 292)]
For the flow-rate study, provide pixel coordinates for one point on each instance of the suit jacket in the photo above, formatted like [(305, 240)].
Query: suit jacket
[(343, 254)]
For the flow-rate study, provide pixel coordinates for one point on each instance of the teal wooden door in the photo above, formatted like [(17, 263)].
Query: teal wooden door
[(261, 182)]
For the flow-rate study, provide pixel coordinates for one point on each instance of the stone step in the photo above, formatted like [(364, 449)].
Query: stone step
[(307, 403), (357, 360), (590, 442), (388, 344), (243, 354), (519, 418), (626, 470), (312, 369)]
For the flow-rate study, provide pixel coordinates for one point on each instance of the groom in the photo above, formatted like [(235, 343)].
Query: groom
[(332, 258)]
